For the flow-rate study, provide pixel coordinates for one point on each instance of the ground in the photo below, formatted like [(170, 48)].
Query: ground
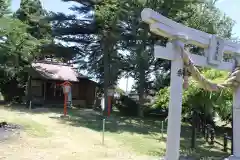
[(46, 136)]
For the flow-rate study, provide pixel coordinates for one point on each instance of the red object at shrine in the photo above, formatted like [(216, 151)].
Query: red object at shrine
[(66, 89), (110, 95)]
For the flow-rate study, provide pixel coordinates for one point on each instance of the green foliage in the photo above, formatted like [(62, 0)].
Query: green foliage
[(108, 27), (223, 104), (205, 103), (19, 45), (4, 7), (106, 13), (32, 13), (17, 50), (22, 36), (162, 98), (202, 16), (140, 44), (93, 36), (111, 26), (119, 91), (205, 17)]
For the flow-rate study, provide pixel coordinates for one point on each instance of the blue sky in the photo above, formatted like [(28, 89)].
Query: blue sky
[(51, 5), (230, 7)]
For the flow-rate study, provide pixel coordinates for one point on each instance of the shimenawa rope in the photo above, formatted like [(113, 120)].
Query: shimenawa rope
[(232, 81)]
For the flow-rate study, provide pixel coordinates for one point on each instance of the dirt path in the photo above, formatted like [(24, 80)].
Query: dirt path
[(65, 142)]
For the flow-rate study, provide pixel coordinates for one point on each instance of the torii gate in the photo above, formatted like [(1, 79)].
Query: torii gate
[(214, 48)]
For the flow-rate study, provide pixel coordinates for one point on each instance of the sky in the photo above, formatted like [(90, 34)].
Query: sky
[(229, 7)]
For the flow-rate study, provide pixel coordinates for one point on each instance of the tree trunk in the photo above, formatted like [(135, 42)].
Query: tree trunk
[(141, 70), (29, 90), (106, 78), (141, 92), (194, 124), (107, 48)]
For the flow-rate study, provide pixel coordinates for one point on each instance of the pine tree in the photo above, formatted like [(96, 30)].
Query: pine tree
[(97, 38), (79, 32), (34, 16), (4, 7), (17, 49), (140, 44), (32, 13)]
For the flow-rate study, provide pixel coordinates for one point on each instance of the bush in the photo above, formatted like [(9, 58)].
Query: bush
[(194, 98), (127, 106), (156, 113)]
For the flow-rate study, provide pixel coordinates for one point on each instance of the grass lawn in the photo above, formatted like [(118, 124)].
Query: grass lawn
[(45, 136)]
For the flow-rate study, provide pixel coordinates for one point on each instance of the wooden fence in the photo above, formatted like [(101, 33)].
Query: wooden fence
[(209, 135)]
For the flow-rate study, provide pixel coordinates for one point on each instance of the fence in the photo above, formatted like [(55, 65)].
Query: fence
[(209, 135)]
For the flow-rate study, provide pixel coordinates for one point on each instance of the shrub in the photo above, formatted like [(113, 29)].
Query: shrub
[(127, 106)]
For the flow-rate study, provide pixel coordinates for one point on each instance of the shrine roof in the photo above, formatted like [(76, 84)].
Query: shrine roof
[(55, 71)]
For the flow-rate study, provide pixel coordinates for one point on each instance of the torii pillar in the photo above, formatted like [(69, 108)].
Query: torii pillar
[(214, 47), (236, 124)]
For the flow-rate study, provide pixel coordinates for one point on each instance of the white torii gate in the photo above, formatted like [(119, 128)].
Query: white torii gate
[(214, 48)]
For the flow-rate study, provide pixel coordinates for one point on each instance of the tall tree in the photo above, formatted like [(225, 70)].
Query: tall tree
[(141, 43), (78, 31), (98, 39), (108, 18), (32, 13), (95, 38), (4, 7), (22, 35), (34, 16), (17, 48)]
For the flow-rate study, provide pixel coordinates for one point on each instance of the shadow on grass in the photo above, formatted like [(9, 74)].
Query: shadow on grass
[(202, 151), (36, 110), (151, 128), (94, 121)]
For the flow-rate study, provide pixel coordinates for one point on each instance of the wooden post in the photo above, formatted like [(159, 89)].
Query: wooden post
[(203, 127), (65, 104), (29, 90), (193, 144), (44, 92), (212, 134), (207, 133), (109, 105), (225, 142), (162, 127), (103, 130)]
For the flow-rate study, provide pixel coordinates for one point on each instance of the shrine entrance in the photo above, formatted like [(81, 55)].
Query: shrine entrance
[(54, 92)]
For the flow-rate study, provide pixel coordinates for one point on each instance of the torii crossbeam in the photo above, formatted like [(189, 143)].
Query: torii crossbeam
[(214, 47)]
